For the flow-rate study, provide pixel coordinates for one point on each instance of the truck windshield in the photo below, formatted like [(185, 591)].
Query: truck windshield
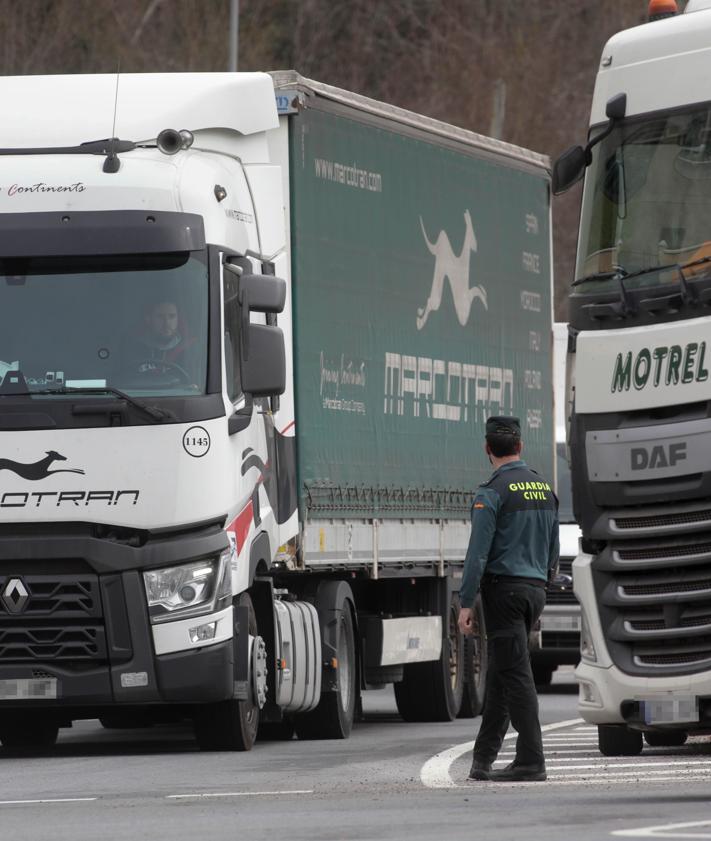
[(648, 204), (133, 322)]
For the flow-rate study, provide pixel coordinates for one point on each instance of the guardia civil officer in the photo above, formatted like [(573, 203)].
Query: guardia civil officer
[(513, 552)]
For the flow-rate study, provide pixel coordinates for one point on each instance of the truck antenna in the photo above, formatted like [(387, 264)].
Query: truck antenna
[(112, 163)]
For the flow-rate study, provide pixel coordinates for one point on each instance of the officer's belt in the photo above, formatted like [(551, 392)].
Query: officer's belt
[(512, 579)]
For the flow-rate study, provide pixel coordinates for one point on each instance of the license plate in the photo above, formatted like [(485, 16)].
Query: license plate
[(676, 710), (560, 623), (28, 689)]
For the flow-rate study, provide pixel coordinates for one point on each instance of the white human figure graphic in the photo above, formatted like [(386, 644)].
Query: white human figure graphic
[(455, 268)]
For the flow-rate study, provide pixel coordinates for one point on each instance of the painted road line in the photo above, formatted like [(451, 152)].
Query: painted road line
[(435, 772), (237, 794), (668, 830), (553, 749), (672, 762), (48, 800), (587, 781), (608, 762), (681, 774)]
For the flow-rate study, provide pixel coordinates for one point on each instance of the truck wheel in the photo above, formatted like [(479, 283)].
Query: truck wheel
[(542, 676), (618, 740), (666, 739), (231, 724), (333, 717), (433, 691), (475, 666), (28, 733)]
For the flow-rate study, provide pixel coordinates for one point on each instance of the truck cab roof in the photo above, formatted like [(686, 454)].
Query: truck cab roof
[(74, 109), (659, 65)]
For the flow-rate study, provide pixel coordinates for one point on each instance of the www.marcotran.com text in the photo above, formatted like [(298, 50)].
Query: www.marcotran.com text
[(350, 175)]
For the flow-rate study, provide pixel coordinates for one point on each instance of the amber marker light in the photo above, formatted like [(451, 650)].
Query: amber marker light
[(660, 9)]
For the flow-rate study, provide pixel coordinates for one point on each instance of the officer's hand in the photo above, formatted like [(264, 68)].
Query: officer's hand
[(466, 620)]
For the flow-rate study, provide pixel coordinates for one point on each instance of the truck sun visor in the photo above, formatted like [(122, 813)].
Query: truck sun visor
[(99, 232)]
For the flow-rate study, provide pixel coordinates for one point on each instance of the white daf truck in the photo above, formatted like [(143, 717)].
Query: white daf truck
[(248, 344), (639, 386)]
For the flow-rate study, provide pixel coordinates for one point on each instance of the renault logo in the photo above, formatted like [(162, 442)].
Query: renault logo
[(15, 595)]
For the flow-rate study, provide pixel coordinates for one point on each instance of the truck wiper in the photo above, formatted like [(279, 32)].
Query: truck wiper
[(158, 415), (689, 295), (618, 272), (616, 309)]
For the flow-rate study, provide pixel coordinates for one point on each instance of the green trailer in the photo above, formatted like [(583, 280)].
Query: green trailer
[(421, 284)]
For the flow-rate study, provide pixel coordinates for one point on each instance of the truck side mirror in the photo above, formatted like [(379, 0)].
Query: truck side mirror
[(568, 169), (570, 166), (264, 372), (265, 293)]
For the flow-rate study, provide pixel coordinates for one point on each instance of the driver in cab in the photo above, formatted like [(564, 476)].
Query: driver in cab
[(165, 344)]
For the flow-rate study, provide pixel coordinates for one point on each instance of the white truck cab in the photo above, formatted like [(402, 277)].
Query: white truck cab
[(639, 385)]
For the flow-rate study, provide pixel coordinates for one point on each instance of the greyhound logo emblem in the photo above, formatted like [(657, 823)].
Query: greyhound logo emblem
[(455, 268), (38, 469)]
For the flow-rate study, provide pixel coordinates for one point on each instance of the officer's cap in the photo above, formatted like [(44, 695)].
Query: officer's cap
[(502, 425)]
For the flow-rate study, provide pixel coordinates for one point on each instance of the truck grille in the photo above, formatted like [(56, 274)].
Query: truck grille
[(656, 521), (653, 553), (657, 615), (59, 620), (52, 643), (678, 659), (65, 596), (563, 596), (659, 624)]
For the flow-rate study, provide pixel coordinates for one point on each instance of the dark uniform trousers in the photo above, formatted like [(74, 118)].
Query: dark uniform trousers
[(511, 608)]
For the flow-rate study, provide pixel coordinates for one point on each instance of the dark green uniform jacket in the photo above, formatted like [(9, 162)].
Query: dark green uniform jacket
[(514, 529)]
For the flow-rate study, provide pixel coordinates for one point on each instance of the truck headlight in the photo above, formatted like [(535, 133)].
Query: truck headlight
[(188, 589)]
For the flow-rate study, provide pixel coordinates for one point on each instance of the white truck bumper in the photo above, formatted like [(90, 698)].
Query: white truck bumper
[(602, 687), (602, 691)]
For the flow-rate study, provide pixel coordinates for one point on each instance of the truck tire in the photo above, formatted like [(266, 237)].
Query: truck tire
[(230, 725), (434, 691), (475, 666), (28, 733), (333, 717), (618, 740), (666, 739)]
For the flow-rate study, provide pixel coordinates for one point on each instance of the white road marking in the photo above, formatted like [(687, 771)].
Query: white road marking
[(669, 830), (435, 772), (238, 794), (48, 800), (573, 759), (677, 763)]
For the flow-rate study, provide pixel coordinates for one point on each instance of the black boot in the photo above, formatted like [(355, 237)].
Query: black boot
[(519, 773), (479, 770)]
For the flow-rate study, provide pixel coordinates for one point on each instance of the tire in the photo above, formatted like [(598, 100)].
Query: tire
[(666, 739), (542, 676), (333, 717), (230, 725), (618, 740), (475, 666), (434, 691), (28, 733)]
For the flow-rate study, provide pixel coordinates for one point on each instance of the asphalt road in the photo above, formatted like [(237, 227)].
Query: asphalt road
[(390, 780)]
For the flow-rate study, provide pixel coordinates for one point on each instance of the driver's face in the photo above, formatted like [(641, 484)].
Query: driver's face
[(164, 320)]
